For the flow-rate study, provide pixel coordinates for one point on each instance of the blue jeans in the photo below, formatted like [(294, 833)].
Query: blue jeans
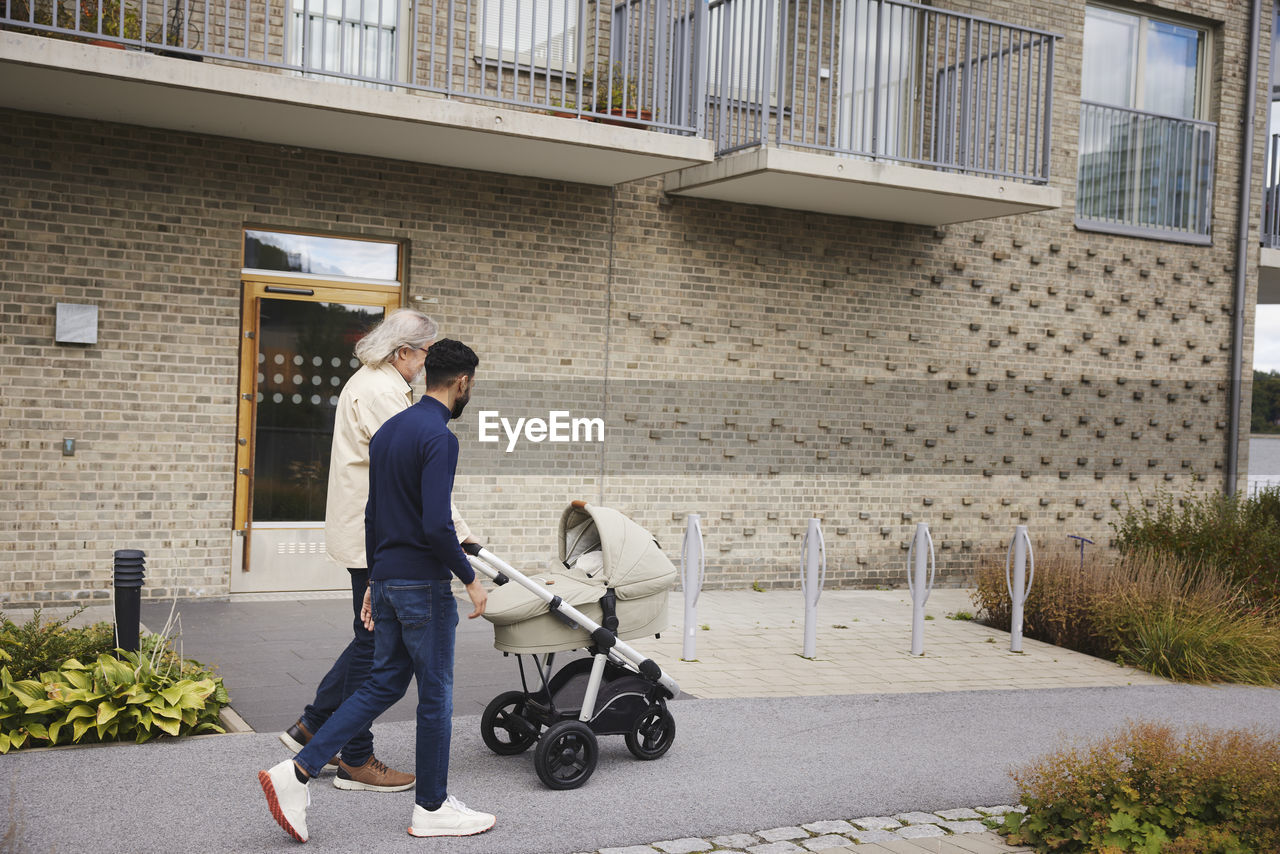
[(345, 677), (415, 624)]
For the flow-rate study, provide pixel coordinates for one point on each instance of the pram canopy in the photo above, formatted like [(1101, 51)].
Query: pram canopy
[(601, 550)]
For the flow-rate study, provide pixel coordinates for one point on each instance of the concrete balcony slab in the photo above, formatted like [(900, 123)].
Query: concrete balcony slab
[(847, 186), (1268, 276), (134, 87)]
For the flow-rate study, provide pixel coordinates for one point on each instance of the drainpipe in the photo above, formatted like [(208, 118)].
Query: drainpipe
[(1243, 243)]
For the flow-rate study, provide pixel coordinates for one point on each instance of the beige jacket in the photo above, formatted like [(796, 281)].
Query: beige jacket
[(369, 398)]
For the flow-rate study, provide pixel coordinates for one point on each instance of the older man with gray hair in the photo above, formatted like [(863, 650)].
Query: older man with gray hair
[(391, 355)]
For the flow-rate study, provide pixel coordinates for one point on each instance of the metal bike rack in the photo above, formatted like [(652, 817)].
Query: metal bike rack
[(813, 575), (1019, 584), (917, 583), (693, 572)]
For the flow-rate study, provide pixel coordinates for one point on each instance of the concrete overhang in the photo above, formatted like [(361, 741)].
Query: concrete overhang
[(1268, 276), (132, 87), (845, 186)]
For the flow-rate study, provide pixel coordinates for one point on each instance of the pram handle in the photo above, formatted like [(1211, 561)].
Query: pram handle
[(647, 666)]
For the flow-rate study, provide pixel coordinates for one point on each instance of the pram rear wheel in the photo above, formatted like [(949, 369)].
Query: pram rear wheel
[(652, 733), (503, 726), (566, 755)]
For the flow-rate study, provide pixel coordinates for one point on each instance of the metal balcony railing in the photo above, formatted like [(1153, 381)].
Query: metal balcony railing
[(1145, 174), (1271, 197), (629, 62), (881, 79)]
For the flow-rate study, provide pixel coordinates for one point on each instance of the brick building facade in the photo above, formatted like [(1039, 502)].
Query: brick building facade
[(755, 365)]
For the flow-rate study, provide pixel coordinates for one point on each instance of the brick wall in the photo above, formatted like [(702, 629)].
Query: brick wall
[(756, 366)]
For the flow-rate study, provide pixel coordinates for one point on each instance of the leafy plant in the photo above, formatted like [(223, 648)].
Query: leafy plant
[(108, 700), (617, 90), (138, 695), (39, 645), (1236, 535), (101, 17), (612, 94), (1145, 789)]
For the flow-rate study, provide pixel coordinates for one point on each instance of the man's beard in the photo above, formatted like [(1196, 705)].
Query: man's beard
[(459, 405)]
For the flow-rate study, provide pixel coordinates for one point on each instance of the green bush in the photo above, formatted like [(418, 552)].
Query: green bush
[(1146, 789), (1237, 536), (47, 696), (108, 700), (39, 645)]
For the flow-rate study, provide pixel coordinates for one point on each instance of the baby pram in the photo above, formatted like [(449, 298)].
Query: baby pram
[(610, 585)]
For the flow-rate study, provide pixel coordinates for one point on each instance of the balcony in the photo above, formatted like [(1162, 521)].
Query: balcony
[(498, 85), (1269, 256), (874, 108), (1145, 174), (883, 109)]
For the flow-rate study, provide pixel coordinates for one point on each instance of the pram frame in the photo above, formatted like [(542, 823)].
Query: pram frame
[(604, 641)]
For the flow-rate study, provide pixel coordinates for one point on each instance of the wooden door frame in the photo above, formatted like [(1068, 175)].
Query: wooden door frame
[(254, 286)]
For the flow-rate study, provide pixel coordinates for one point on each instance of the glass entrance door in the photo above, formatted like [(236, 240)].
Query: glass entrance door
[(296, 355)]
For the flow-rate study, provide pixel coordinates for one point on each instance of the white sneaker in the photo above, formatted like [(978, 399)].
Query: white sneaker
[(286, 798), (454, 818)]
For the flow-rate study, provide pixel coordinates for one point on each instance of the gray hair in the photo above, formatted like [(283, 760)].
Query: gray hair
[(404, 327)]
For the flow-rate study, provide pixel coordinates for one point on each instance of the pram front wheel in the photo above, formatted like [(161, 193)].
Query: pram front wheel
[(503, 726), (652, 733), (566, 755)]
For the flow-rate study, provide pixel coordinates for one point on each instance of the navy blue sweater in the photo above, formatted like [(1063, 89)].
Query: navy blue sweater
[(408, 528)]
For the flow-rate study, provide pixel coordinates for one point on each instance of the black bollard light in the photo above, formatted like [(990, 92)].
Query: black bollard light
[(129, 572)]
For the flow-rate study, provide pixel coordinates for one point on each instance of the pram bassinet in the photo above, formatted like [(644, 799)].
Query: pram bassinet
[(602, 552)]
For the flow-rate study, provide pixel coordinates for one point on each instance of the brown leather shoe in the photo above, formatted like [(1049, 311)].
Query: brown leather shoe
[(296, 737), (372, 776)]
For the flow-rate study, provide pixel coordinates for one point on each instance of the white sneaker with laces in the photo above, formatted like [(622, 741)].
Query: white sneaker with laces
[(454, 818), (286, 798)]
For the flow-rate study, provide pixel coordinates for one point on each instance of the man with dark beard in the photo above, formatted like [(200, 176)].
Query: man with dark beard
[(412, 549), (391, 355)]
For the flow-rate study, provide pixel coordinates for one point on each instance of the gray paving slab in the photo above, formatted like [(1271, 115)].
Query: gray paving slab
[(969, 826), (920, 831), (829, 827)]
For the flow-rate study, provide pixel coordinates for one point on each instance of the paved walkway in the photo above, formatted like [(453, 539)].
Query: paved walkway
[(748, 646)]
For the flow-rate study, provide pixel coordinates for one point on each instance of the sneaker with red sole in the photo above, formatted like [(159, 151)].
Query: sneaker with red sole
[(287, 798)]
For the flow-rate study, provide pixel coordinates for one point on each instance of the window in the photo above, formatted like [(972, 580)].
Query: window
[(1146, 152), (356, 37), (743, 50), (332, 257), (530, 33), (878, 42)]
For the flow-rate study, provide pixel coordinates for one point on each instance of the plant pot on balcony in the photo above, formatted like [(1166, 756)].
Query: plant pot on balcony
[(177, 54), (628, 118)]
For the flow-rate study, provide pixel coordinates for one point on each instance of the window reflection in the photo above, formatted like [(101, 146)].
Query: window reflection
[(304, 359), (325, 256)]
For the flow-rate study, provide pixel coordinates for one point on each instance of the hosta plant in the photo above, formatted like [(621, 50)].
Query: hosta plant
[(110, 699)]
